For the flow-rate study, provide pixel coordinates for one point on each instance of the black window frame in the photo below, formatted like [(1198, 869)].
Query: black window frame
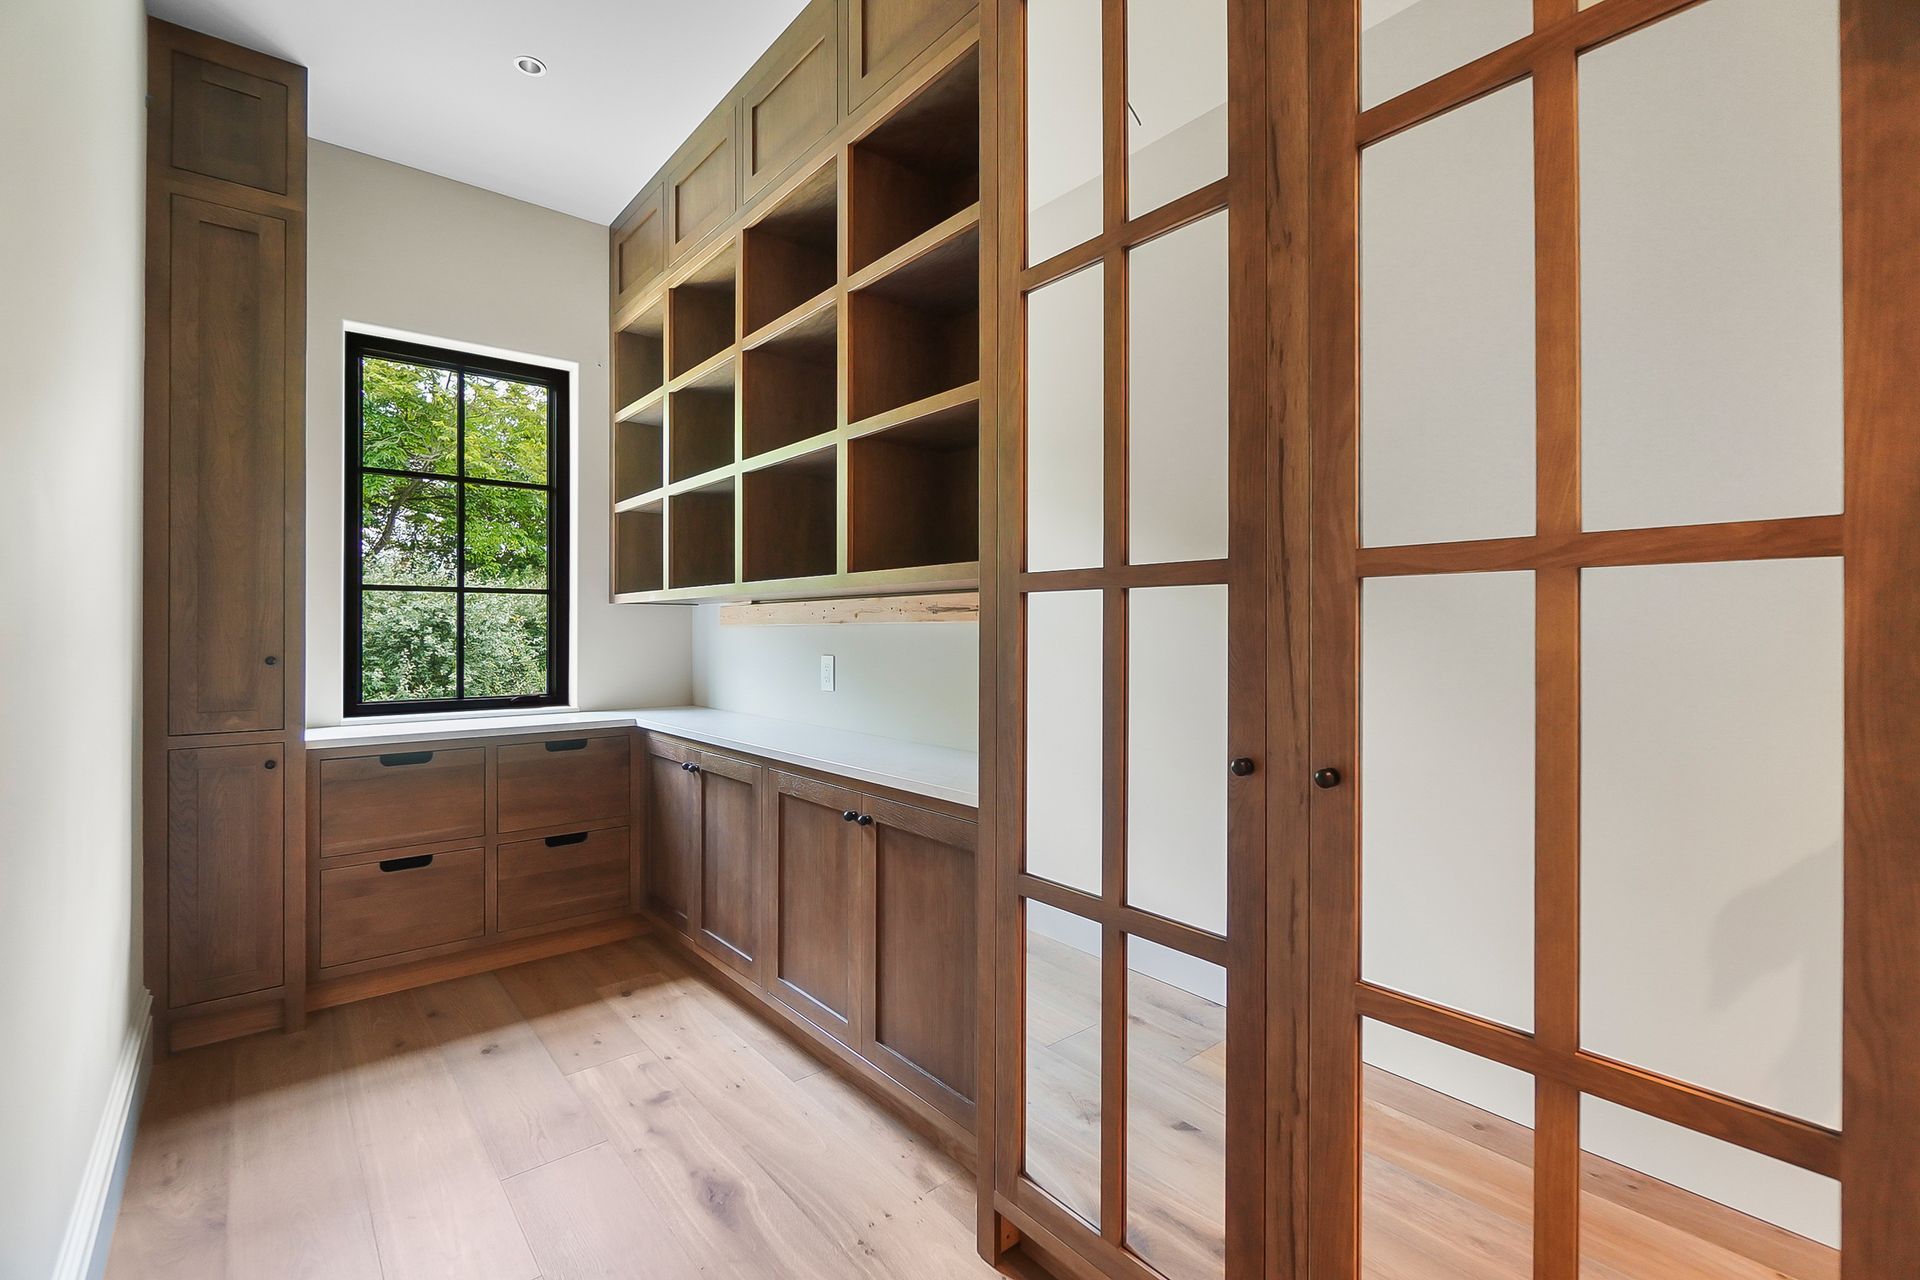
[(361, 346)]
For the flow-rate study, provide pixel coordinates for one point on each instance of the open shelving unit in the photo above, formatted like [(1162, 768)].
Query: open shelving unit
[(798, 402)]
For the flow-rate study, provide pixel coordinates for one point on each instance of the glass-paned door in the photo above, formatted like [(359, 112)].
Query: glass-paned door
[(1130, 458), (1579, 661)]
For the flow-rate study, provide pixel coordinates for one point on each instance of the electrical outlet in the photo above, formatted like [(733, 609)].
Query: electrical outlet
[(826, 673)]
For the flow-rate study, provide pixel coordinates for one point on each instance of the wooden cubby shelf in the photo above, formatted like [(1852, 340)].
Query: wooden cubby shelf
[(639, 360), (799, 408), (790, 517), (703, 312), (639, 564), (700, 543), (788, 380), (791, 255)]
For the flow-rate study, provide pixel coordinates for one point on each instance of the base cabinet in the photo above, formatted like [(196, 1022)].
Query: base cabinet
[(851, 911), (226, 817)]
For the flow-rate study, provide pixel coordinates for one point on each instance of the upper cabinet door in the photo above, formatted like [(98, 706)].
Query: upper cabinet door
[(227, 115), (884, 36), (791, 101), (227, 423)]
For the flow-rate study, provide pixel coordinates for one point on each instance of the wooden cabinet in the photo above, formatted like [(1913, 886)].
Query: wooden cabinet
[(432, 848), (702, 846), (563, 782), (885, 36), (812, 960), (224, 561), (849, 910), (401, 798), (400, 904), (226, 814), (921, 908)]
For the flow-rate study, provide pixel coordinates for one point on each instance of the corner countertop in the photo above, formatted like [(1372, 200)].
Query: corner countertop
[(942, 773)]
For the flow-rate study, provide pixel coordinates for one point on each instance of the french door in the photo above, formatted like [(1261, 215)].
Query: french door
[(1615, 460), (1129, 612)]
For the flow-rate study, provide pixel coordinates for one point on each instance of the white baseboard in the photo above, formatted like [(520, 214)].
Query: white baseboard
[(83, 1253)]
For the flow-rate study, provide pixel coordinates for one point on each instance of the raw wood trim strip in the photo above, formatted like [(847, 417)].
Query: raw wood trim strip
[(1184, 573), (1791, 538), (959, 606), (1579, 31)]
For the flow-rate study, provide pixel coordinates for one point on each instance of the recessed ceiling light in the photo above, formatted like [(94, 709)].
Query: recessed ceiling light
[(530, 66)]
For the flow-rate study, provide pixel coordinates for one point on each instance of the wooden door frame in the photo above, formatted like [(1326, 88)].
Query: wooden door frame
[(1016, 1213), (1320, 133)]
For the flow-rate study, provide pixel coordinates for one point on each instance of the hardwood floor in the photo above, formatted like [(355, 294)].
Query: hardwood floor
[(1448, 1191), (609, 1114), (604, 1114)]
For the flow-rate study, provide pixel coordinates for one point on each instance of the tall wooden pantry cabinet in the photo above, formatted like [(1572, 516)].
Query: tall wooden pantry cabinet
[(223, 706)]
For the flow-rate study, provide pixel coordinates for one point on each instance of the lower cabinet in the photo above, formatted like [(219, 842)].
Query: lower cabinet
[(853, 911), (226, 815), (406, 902)]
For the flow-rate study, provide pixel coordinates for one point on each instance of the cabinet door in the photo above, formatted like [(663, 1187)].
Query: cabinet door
[(673, 829), (226, 848), (812, 951), (923, 1028), (226, 431), (729, 850), (883, 36)]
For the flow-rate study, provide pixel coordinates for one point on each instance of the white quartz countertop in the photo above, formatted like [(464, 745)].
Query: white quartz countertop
[(942, 773)]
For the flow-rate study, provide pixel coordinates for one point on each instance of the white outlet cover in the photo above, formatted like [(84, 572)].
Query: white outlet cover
[(826, 673)]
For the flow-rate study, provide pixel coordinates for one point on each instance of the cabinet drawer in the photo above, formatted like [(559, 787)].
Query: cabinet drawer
[(401, 904), (563, 781), (557, 878), (401, 798)]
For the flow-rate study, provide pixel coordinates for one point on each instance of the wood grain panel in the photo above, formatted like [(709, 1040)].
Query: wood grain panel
[(673, 829), (228, 124), (885, 36), (792, 100), (400, 798), (925, 937), (640, 247), (562, 782), (813, 947), (702, 189), (226, 819), (227, 450), (729, 852), (401, 904), (558, 878)]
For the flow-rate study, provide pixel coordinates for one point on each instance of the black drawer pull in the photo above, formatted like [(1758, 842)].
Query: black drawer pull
[(407, 864), (394, 758), (568, 744), (577, 837)]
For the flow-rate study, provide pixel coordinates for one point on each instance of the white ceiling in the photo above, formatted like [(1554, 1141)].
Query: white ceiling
[(431, 83)]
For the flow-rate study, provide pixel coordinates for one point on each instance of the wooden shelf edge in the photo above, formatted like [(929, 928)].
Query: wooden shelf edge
[(945, 606), (640, 501), (788, 452), (704, 376), (633, 409), (655, 298), (825, 300), (698, 481), (941, 233), (931, 406), (868, 583)]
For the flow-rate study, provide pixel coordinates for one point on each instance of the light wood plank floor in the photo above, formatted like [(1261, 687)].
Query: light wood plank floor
[(610, 1114), (604, 1114)]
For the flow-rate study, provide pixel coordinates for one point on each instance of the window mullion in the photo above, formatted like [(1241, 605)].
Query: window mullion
[(460, 536)]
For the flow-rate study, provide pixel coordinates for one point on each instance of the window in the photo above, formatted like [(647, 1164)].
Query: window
[(456, 571)]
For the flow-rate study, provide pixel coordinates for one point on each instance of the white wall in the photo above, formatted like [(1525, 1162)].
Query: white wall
[(918, 681), (403, 250), (71, 235)]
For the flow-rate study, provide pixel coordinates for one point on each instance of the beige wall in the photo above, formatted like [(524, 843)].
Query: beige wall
[(71, 225), (398, 249)]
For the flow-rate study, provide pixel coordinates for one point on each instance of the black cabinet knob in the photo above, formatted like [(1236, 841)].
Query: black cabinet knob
[(848, 815), (272, 661), (693, 768), (273, 764), (865, 819), (1326, 778), (1240, 766), (687, 766)]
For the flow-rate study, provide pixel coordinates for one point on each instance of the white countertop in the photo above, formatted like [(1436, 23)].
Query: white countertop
[(943, 773)]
